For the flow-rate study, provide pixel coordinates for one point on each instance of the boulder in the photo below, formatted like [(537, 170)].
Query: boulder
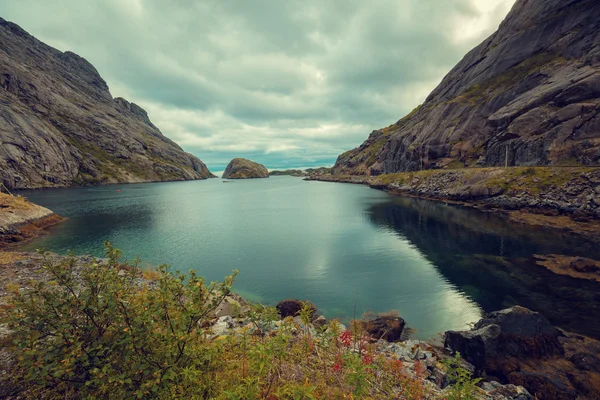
[(514, 332), (292, 307), (508, 345), (233, 305), (319, 322), (498, 391), (475, 346), (389, 328), (223, 326), (240, 168)]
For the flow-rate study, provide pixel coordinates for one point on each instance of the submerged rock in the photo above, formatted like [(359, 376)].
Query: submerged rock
[(240, 168)]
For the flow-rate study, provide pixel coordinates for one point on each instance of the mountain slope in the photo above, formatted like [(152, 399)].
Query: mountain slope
[(527, 95), (60, 126)]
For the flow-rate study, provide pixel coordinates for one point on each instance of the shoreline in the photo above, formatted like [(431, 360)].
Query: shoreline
[(539, 357), (21, 221), (516, 193), (102, 184)]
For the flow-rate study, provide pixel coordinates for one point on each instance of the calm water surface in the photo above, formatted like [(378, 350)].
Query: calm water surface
[(440, 266)]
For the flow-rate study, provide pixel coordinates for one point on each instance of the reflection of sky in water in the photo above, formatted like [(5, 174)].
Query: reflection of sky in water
[(333, 244)]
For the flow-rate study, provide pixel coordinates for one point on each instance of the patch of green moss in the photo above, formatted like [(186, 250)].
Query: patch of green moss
[(512, 76), (412, 113), (456, 164), (532, 180)]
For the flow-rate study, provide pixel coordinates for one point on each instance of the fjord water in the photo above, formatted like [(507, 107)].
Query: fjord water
[(338, 245)]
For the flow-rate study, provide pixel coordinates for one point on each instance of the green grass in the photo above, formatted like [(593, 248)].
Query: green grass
[(532, 180), (509, 78)]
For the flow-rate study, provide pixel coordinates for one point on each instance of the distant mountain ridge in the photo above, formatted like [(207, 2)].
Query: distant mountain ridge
[(527, 95), (60, 126)]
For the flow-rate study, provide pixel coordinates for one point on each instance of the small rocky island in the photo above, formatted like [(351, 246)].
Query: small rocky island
[(241, 168)]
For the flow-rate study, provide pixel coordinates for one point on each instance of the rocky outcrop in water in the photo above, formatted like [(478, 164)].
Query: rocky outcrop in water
[(527, 95), (240, 168), (60, 126), (21, 220)]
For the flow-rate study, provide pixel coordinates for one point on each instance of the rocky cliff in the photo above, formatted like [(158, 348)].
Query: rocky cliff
[(527, 95), (60, 126), (240, 168)]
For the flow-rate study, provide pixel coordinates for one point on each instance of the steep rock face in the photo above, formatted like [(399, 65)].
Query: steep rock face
[(240, 168), (60, 126), (528, 95)]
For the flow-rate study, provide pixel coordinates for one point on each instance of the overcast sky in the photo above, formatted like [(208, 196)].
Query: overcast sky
[(285, 83)]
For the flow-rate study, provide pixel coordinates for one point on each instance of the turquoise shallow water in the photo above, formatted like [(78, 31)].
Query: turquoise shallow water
[(440, 266)]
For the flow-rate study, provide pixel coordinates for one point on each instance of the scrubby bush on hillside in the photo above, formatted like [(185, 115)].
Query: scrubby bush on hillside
[(102, 331)]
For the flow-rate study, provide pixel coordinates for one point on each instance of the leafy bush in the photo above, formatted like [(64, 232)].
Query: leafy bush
[(463, 385), (101, 331), (105, 330)]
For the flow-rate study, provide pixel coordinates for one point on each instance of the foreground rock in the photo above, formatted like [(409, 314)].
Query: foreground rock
[(240, 168), (387, 327), (521, 347), (528, 95), (21, 220), (60, 125), (418, 360)]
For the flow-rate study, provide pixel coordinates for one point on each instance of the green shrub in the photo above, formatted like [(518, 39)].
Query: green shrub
[(463, 385), (107, 330), (101, 331)]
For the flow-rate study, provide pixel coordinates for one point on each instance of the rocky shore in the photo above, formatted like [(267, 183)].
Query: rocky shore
[(566, 198), (517, 352), (21, 220)]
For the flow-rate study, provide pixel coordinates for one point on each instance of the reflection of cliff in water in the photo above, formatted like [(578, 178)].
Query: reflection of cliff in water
[(490, 259)]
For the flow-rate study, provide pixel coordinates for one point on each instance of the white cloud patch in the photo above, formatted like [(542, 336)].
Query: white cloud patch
[(286, 84)]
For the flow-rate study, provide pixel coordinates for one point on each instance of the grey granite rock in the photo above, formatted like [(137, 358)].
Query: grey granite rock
[(60, 126), (240, 168), (527, 95)]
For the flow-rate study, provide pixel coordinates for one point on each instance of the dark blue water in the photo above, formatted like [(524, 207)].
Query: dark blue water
[(440, 266)]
